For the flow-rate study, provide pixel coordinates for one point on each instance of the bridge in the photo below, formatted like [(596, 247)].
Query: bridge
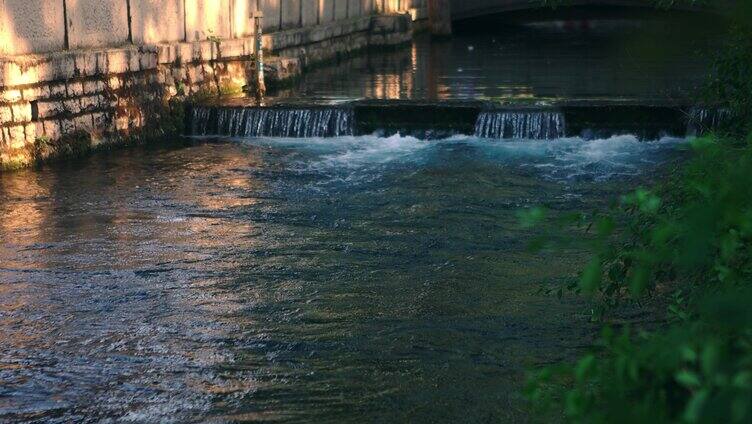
[(467, 9)]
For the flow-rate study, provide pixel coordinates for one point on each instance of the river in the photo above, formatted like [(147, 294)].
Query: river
[(349, 279)]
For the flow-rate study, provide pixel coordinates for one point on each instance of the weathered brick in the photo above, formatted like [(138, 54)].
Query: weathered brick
[(31, 93), (21, 112), (30, 131), (72, 106), (89, 103), (114, 83), (86, 63), (49, 109), (118, 61), (17, 137), (5, 115), (51, 129), (58, 90), (102, 63), (147, 60), (75, 89), (11, 96), (83, 122), (184, 53), (67, 126), (90, 87), (134, 61)]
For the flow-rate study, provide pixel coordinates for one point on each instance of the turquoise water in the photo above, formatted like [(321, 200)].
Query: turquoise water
[(298, 280)]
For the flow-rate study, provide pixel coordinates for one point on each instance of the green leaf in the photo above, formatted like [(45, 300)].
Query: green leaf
[(591, 277), (694, 406), (688, 379), (583, 367)]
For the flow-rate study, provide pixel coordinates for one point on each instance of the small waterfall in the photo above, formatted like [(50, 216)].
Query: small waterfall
[(702, 120), (273, 122), (536, 125)]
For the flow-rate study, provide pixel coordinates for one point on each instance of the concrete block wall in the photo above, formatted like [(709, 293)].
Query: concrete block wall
[(39, 26), (29, 26)]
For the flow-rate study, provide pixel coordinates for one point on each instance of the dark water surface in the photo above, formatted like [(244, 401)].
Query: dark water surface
[(651, 58), (320, 280)]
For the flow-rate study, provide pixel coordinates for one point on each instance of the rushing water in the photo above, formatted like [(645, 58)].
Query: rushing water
[(352, 279), (272, 122)]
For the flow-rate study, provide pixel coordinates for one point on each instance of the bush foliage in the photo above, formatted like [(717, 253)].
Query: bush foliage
[(688, 241)]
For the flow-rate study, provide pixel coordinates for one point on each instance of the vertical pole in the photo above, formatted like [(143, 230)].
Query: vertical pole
[(130, 20), (185, 21), (66, 37), (258, 28)]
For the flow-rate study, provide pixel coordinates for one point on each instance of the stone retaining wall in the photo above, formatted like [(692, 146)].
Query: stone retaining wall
[(110, 93)]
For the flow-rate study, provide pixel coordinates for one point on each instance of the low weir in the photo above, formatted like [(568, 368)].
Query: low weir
[(273, 122), (531, 125), (439, 120)]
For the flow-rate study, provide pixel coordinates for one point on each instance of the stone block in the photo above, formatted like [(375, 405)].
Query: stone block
[(291, 17), (58, 90), (72, 106), (242, 22), (272, 17), (49, 109), (31, 26), (90, 103), (5, 115), (134, 60), (368, 7), (310, 13), (167, 53), (74, 89), (21, 112), (32, 93), (157, 21), (147, 60), (50, 129), (30, 131), (17, 136), (83, 123), (67, 126), (93, 86), (118, 61), (205, 19), (326, 11), (114, 83), (97, 23), (11, 96), (341, 8), (354, 8), (232, 48)]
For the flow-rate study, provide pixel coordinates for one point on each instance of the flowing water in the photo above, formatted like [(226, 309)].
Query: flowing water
[(309, 279), (352, 279)]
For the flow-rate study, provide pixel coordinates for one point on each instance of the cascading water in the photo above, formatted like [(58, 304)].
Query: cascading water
[(536, 125), (702, 120), (273, 122)]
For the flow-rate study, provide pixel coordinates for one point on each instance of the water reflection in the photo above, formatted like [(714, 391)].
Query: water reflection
[(614, 61)]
